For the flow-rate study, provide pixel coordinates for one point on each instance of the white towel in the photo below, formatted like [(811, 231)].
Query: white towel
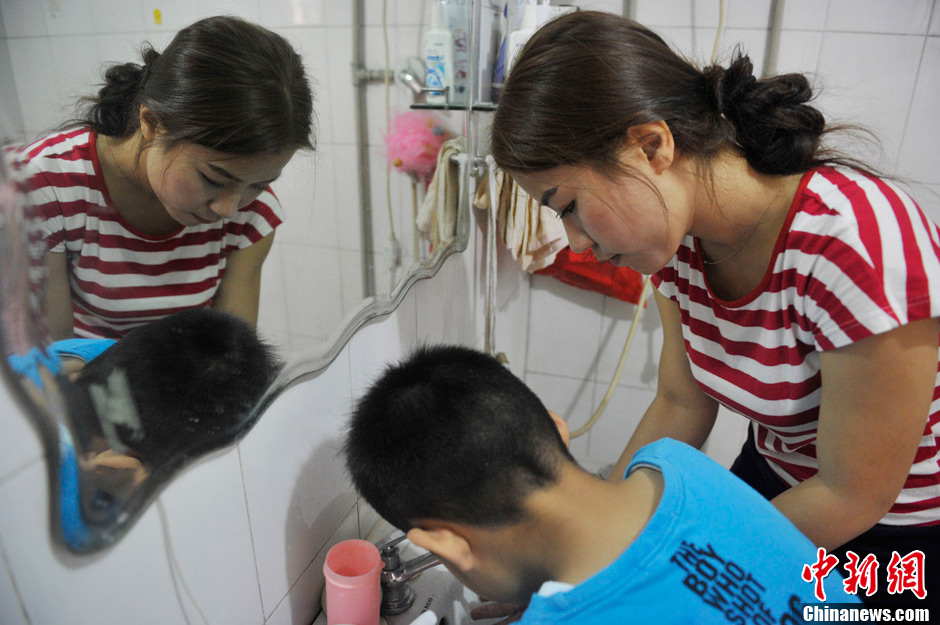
[(437, 216), (532, 233)]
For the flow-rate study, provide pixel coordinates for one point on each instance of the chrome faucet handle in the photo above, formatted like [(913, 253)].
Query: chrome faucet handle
[(392, 543)]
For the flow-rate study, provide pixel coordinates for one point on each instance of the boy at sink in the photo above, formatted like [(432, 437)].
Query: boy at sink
[(450, 447)]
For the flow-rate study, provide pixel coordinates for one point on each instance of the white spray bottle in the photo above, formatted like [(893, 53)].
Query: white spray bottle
[(518, 38), (439, 56)]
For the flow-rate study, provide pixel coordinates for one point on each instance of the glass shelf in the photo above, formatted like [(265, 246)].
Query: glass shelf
[(479, 106)]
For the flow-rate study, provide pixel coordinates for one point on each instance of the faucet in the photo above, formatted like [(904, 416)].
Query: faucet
[(397, 594)]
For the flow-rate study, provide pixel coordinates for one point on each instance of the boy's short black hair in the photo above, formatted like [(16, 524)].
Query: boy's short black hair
[(194, 377), (451, 434)]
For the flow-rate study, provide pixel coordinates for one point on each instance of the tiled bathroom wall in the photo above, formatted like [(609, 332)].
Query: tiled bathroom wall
[(874, 63), (56, 51)]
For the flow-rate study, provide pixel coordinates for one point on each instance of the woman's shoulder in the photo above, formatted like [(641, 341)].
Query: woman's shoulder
[(59, 147)]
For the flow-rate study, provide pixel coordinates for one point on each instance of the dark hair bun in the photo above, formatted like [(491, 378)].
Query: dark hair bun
[(777, 131), (111, 112)]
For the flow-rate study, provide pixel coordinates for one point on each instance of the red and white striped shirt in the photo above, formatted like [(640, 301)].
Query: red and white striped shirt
[(855, 257), (120, 278)]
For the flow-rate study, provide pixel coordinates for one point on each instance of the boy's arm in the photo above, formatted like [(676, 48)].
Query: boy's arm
[(681, 410)]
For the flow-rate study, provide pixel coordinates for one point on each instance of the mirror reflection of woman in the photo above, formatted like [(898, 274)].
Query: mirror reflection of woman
[(795, 287), (158, 200)]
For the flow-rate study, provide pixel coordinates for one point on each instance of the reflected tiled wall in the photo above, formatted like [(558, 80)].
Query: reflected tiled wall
[(876, 63), (249, 526)]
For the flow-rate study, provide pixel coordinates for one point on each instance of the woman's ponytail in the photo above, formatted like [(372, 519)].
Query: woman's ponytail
[(773, 126), (112, 112)]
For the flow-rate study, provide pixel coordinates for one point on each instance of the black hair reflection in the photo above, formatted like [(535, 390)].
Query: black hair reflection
[(167, 392)]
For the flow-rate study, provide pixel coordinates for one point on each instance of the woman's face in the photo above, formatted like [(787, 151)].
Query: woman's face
[(621, 218), (198, 185)]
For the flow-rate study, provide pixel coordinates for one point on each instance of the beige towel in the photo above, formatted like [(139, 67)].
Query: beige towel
[(437, 216), (532, 233)]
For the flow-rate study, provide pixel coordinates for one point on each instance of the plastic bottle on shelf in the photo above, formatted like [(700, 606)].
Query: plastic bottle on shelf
[(439, 56)]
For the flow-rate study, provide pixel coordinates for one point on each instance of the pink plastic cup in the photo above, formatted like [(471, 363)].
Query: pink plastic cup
[(353, 588)]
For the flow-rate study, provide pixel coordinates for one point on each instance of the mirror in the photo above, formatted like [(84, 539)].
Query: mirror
[(356, 235)]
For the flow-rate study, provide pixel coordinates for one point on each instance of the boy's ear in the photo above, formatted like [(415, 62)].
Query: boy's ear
[(562, 426), (656, 142), (446, 542)]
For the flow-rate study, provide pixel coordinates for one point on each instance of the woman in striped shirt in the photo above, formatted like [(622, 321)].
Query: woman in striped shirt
[(159, 199), (795, 287)]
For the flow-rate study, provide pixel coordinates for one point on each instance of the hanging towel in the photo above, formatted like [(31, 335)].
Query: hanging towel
[(437, 216), (532, 233), (584, 271)]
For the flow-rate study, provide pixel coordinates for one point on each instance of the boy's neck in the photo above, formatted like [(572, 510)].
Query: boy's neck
[(590, 522)]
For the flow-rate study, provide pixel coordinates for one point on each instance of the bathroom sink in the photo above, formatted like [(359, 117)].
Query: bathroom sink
[(438, 590), (435, 589)]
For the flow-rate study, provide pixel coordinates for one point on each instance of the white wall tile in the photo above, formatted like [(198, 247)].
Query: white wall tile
[(178, 14), (279, 13), (69, 18), (272, 310), (740, 13), (311, 45), (346, 196), (875, 16), (609, 6), (11, 609), (24, 18), (445, 305), (111, 50), (571, 399), (313, 307), (20, 444), (935, 22), (340, 13), (302, 603), (751, 41), (204, 546), (564, 328), (869, 80), (368, 519), (118, 16), (799, 52), (295, 482), (78, 72), (375, 346), (33, 65), (927, 197), (350, 266), (679, 38), (805, 14), (642, 362), (342, 100), (658, 13), (613, 429), (296, 190), (58, 587), (918, 159)]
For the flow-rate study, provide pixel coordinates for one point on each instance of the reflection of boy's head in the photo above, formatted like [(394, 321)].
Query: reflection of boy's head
[(192, 377), (450, 438)]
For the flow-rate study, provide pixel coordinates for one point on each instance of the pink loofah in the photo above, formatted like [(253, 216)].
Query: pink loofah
[(413, 143)]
